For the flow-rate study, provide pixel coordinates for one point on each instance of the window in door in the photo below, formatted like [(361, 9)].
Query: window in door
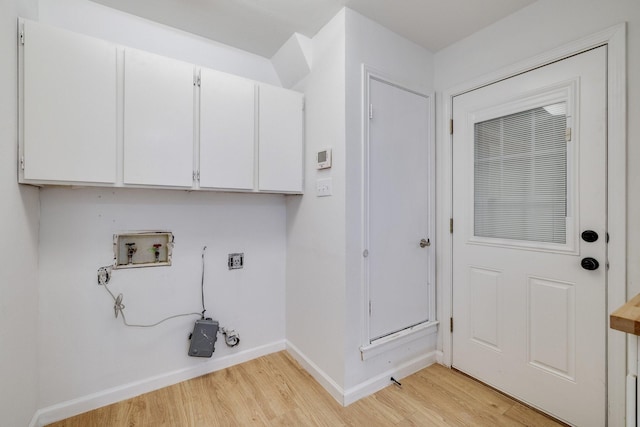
[(520, 176)]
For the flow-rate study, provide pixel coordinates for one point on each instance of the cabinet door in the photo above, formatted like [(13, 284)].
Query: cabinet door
[(69, 97), (227, 131), (158, 120), (280, 140)]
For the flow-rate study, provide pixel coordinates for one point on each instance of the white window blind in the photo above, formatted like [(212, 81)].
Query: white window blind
[(520, 171)]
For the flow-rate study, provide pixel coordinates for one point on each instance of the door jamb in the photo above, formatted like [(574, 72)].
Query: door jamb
[(615, 39)]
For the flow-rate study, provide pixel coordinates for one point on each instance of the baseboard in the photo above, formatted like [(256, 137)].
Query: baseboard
[(318, 374), (347, 397), (93, 401), (381, 381)]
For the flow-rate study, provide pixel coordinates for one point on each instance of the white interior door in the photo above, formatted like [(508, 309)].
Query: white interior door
[(398, 209), (529, 180)]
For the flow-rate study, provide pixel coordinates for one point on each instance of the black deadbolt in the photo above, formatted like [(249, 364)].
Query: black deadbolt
[(589, 236), (589, 264)]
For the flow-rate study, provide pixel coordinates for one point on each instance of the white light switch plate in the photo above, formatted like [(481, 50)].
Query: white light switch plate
[(324, 187)]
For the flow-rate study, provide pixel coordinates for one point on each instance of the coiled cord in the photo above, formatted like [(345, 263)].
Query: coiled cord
[(104, 274)]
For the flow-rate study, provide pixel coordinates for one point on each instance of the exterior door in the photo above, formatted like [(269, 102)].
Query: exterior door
[(529, 241), (398, 208)]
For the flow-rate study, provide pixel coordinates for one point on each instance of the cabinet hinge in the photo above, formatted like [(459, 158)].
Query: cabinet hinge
[(451, 324), (451, 225), (199, 80), (370, 111), (567, 134), (450, 126), (22, 162)]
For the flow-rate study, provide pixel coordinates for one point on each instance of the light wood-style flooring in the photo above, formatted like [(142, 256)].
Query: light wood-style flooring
[(275, 391)]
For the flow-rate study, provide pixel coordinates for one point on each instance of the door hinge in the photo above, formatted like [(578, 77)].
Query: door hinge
[(369, 307), (304, 104), (22, 162), (22, 37), (196, 175), (451, 225), (450, 126), (451, 324), (567, 134), (196, 79), (370, 111)]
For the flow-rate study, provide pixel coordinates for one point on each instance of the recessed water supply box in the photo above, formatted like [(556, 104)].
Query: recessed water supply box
[(142, 249)]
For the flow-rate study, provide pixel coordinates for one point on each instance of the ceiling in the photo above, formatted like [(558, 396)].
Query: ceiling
[(262, 26)]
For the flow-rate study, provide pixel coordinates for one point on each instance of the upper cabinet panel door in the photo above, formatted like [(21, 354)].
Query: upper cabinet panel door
[(280, 140), (227, 131), (69, 100), (158, 120)]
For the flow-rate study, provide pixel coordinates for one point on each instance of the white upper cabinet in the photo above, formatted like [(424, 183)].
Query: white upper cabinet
[(227, 131), (93, 113), (158, 120), (68, 118), (280, 140)]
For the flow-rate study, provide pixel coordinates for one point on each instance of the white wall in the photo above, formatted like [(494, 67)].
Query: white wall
[(19, 251), (86, 356), (324, 286), (85, 349), (316, 226), (93, 19), (409, 64)]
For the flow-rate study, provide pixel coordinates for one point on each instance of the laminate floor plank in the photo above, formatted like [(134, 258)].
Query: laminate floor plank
[(470, 400), (275, 390)]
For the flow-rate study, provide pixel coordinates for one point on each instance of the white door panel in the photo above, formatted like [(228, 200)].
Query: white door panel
[(69, 106), (398, 209), (158, 120), (227, 130), (280, 143), (528, 318)]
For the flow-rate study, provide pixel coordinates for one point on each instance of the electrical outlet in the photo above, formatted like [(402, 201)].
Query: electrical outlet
[(104, 275), (236, 261)]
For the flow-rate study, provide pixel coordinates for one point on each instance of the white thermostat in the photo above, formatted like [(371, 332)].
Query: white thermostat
[(323, 158)]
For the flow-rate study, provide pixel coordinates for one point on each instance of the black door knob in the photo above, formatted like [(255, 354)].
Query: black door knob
[(590, 264), (589, 236)]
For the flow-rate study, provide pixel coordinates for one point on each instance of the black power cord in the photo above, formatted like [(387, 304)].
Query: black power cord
[(202, 282)]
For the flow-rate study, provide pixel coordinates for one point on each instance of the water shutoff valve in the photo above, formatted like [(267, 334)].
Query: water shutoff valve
[(142, 249)]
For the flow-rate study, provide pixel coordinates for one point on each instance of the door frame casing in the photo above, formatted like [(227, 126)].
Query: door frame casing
[(370, 348), (615, 40)]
